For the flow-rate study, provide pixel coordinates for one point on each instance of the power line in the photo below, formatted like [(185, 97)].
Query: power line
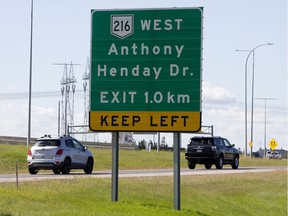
[(43, 94)]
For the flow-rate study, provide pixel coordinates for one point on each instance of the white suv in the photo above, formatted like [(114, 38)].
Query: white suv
[(273, 154), (59, 154)]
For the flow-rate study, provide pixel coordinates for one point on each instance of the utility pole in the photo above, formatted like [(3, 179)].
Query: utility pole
[(265, 99)]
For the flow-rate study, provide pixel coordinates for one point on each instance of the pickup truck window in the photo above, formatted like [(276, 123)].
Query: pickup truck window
[(227, 143), (218, 142), (201, 141)]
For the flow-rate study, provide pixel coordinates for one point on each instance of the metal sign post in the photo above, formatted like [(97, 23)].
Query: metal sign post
[(115, 165), (176, 170)]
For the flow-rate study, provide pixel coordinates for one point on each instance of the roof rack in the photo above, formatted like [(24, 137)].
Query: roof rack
[(46, 136)]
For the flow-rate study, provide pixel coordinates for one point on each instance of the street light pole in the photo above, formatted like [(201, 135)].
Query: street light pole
[(265, 99), (246, 62), (30, 79), (250, 51), (252, 105)]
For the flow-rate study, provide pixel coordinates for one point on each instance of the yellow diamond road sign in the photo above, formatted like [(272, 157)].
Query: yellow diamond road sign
[(273, 144)]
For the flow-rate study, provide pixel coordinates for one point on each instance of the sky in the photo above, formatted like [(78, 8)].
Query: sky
[(61, 34)]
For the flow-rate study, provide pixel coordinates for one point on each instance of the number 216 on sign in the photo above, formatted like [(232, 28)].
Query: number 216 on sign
[(122, 26)]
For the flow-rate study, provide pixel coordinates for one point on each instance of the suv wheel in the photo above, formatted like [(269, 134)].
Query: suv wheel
[(89, 166), (219, 163), (33, 171), (66, 166), (56, 171), (235, 163), (191, 165), (208, 166)]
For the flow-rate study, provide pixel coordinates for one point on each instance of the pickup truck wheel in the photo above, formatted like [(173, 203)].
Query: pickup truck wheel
[(208, 166), (235, 163), (56, 171), (191, 165), (219, 163)]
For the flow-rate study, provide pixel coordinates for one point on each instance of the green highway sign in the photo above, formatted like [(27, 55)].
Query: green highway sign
[(146, 70)]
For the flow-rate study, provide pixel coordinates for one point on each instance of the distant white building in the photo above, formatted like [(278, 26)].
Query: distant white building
[(126, 138)]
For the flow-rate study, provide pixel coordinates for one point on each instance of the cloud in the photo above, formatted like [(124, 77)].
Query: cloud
[(14, 119), (44, 121), (219, 108), (216, 94)]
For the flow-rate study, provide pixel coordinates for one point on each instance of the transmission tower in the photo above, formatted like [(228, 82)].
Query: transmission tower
[(86, 82), (86, 78), (68, 88)]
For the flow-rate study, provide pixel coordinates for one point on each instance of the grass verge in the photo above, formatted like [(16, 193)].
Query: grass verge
[(262, 194)]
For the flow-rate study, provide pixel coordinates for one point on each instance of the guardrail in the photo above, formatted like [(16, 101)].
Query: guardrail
[(14, 140), (23, 141)]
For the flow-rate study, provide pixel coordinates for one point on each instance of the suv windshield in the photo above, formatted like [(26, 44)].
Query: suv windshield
[(42, 143), (201, 141)]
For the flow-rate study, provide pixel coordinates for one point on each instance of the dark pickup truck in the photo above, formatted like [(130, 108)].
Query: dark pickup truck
[(211, 150)]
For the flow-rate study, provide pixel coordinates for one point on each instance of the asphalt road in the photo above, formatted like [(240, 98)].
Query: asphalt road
[(136, 173)]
